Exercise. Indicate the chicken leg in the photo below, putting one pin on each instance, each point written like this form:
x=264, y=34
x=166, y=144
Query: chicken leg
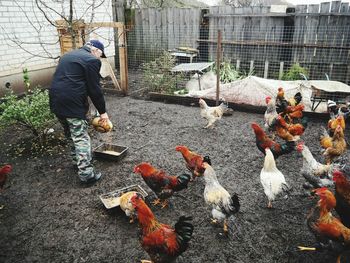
x=163, y=203
x=269, y=205
x=225, y=227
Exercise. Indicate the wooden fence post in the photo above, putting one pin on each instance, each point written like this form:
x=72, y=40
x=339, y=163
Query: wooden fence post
x=266, y=69
x=280, y=75
x=251, y=68
x=123, y=59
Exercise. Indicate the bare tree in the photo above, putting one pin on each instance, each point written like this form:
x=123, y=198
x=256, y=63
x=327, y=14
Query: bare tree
x=51, y=9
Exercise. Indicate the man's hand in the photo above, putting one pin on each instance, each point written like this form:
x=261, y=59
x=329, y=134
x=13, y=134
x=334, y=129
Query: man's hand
x=104, y=116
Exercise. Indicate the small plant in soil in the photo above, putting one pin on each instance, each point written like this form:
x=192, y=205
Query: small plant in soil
x=157, y=74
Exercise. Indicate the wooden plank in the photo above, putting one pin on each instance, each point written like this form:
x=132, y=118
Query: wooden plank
x=263, y=35
x=138, y=29
x=322, y=30
x=164, y=29
x=177, y=26
x=105, y=24
x=299, y=32
x=152, y=29
x=333, y=29
x=196, y=15
x=342, y=33
x=158, y=45
x=145, y=29
x=123, y=60
x=170, y=23
x=213, y=27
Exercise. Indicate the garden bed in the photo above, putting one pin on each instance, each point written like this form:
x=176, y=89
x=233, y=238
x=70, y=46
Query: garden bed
x=48, y=216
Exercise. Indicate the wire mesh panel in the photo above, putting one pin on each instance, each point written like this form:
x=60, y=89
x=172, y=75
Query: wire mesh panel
x=313, y=40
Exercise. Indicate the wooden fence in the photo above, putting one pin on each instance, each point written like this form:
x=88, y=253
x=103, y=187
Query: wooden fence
x=315, y=36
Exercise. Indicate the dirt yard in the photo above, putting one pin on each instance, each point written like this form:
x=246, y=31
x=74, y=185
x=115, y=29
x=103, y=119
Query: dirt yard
x=48, y=216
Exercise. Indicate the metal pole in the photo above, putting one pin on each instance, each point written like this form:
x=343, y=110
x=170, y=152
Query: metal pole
x=218, y=54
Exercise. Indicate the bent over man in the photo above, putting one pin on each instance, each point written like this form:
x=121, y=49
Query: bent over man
x=77, y=77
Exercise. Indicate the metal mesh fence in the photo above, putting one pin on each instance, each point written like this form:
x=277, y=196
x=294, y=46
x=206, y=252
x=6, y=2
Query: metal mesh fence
x=274, y=52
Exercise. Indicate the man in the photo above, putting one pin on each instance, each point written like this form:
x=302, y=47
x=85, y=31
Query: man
x=76, y=78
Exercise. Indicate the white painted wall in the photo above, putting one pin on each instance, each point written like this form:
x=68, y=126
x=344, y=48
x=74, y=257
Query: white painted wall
x=20, y=20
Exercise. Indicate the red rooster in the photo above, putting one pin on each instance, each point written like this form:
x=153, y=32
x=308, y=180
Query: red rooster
x=342, y=194
x=329, y=230
x=194, y=161
x=263, y=142
x=162, y=184
x=4, y=171
x=162, y=242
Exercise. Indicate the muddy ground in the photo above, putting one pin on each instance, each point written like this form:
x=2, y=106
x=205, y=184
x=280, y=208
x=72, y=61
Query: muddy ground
x=48, y=216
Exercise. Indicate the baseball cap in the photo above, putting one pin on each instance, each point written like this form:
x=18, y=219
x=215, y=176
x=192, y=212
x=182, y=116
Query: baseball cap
x=331, y=103
x=98, y=44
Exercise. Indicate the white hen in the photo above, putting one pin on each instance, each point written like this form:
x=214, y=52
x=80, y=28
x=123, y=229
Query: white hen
x=126, y=205
x=212, y=114
x=317, y=174
x=271, y=178
x=223, y=204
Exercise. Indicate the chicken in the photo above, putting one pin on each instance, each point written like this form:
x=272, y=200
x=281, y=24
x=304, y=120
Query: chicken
x=270, y=114
x=337, y=146
x=271, y=178
x=281, y=102
x=263, y=141
x=286, y=108
x=211, y=114
x=288, y=132
x=194, y=161
x=325, y=139
x=223, y=204
x=316, y=174
x=333, y=123
x=329, y=230
x=342, y=195
x=4, y=171
x=126, y=205
x=162, y=242
x=295, y=100
x=294, y=112
x=162, y=184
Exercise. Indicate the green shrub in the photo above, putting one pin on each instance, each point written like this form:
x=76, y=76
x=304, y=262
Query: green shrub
x=157, y=74
x=294, y=73
x=31, y=112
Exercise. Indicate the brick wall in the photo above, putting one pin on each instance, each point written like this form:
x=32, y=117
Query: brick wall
x=22, y=23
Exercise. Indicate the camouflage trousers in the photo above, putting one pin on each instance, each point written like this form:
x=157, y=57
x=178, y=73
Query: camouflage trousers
x=76, y=131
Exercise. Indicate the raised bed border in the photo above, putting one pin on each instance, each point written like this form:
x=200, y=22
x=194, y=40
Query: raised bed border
x=191, y=101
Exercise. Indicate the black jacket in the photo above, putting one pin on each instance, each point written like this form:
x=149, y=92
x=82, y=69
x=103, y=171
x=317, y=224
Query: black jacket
x=77, y=77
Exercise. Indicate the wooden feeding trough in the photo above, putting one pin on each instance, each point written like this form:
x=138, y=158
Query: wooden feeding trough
x=111, y=152
x=112, y=199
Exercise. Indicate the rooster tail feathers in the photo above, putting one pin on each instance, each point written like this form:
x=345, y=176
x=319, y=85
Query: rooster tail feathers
x=207, y=159
x=184, y=230
x=235, y=202
x=182, y=181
